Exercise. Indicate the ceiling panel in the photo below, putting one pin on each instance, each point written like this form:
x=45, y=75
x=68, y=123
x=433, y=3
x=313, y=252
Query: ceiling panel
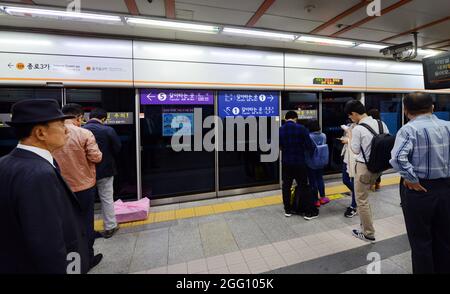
x=246, y=5
x=323, y=10
x=286, y=24
x=438, y=8
x=216, y=15
x=156, y=8
x=399, y=21
x=100, y=5
x=365, y=34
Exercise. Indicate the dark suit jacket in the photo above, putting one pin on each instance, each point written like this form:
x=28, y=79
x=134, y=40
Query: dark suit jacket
x=41, y=217
x=109, y=143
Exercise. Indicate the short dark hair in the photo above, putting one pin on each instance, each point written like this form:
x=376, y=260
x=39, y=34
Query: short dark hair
x=418, y=103
x=374, y=113
x=98, y=113
x=354, y=106
x=313, y=125
x=73, y=109
x=291, y=115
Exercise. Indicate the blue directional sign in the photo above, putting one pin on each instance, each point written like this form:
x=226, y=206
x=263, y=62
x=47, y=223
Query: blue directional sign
x=243, y=103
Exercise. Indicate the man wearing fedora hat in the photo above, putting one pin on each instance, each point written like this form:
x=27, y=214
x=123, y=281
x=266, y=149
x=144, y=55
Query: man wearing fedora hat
x=44, y=225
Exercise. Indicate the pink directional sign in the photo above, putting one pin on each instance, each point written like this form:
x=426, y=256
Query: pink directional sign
x=171, y=97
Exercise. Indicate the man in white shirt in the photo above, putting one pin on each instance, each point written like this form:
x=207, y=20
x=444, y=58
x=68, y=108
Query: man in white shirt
x=360, y=139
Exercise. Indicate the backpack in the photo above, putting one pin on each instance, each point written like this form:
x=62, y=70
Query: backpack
x=380, y=152
x=320, y=157
x=303, y=199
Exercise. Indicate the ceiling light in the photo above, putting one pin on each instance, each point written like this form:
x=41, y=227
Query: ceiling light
x=326, y=41
x=427, y=52
x=371, y=46
x=59, y=14
x=173, y=25
x=259, y=34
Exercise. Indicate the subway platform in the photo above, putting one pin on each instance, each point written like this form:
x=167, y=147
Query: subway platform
x=249, y=234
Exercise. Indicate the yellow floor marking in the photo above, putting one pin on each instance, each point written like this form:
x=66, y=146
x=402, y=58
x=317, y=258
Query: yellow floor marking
x=184, y=213
x=333, y=193
x=239, y=205
x=203, y=210
x=223, y=207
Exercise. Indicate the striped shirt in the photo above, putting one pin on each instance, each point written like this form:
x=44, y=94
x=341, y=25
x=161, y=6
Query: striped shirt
x=422, y=149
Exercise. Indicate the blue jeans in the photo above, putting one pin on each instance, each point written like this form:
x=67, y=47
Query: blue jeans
x=349, y=183
x=315, y=177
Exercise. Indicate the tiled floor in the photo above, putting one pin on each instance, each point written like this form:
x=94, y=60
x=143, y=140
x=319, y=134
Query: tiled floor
x=254, y=240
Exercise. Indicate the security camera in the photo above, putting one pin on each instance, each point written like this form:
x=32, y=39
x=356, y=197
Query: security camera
x=402, y=52
x=397, y=49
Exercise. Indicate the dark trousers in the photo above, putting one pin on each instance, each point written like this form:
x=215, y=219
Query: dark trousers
x=427, y=219
x=299, y=173
x=87, y=200
x=348, y=182
x=315, y=177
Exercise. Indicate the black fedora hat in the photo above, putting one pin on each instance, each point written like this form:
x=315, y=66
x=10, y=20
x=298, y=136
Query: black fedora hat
x=36, y=111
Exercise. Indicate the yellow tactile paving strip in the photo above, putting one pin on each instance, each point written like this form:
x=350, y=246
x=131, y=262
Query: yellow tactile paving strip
x=333, y=192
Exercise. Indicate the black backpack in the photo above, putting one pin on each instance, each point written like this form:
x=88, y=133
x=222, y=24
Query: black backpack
x=380, y=152
x=303, y=200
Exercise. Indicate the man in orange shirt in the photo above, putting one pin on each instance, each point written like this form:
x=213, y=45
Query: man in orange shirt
x=76, y=160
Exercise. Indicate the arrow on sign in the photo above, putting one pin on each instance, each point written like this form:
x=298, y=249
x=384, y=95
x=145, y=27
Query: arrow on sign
x=10, y=65
x=271, y=98
x=149, y=97
x=227, y=110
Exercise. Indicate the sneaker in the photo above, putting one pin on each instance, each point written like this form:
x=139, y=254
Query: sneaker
x=324, y=200
x=317, y=204
x=287, y=214
x=311, y=215
x=96, y=260
x=350, y=212
x=109, y=233
x=360, y=235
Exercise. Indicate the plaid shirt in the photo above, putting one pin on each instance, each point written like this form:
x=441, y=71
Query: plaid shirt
x=422, y=149
x=294, y=142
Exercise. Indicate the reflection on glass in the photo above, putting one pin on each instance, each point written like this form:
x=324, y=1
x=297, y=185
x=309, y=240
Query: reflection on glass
x=333, y=117
x=120, y=105
x=165, y=172
x=442, y=106
x=9, y=96
x=305, y=104
x=389, y=106
x=243, y=169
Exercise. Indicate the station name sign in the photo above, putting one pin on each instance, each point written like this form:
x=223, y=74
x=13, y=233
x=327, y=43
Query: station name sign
x=328, y=81
x=436, y=71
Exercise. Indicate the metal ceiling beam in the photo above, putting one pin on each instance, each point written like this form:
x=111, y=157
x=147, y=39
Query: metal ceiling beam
x=340, y=16
x=441, y=47
x=418, y=28
x=28, y=2
x=132, y=7
x=369, y=18
x=261, y=10
x=170, y=8
x=435, y=43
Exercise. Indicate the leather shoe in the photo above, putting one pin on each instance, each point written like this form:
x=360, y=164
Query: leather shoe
x=96, y=260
